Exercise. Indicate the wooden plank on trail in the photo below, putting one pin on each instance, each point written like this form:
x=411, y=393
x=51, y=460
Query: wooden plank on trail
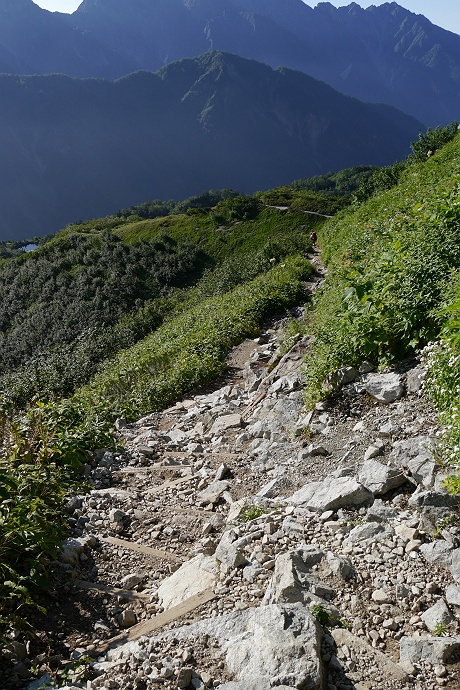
x=217, y=453
x=148, y=470
x=112, y=591
x=140, y=548
x=148, y=627
x=171, y=484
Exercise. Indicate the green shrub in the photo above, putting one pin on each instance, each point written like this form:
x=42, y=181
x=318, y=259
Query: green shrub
x=432, y=140
x=36, y=476
x=190, y=350
x=389, y=263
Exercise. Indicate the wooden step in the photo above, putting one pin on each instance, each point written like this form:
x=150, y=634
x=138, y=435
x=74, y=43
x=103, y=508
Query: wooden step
x=140, y=548
x=111, y=591
x=162, y=619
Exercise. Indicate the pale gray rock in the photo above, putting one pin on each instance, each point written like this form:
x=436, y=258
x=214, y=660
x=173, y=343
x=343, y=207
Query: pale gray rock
x=331, y=494
x=372, y=451
x=341, y=566
x=433, y=650
x=193, y=577
x=117, y=516
x=361, y=649
x=422, y=499
x=279, y=645
x=453, y=595
x=229, y=421
x=274, y=487
x=389, y=430
x=287, y=585
x=454, y=566
x=213, y=492
x=130, y=581
x=228, y=552
x=71, y=550
x=386, y=388
x=369, y=532
x=414, y=379
x=341, y=377
x=292, y=581
x=439, y=613
x=380, y=478
x=379, y=512
x=438, y=552
x=176, y=436
x=292, y=526
x=221, y=472
x=416, y=454
x=126, y=619
x=257, y=430
x=315, y=449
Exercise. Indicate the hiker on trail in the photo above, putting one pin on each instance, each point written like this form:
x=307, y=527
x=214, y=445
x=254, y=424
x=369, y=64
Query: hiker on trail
x=313, y=237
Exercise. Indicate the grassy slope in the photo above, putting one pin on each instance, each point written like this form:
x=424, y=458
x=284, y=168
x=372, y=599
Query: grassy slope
x=389, y=262
x=392, y=262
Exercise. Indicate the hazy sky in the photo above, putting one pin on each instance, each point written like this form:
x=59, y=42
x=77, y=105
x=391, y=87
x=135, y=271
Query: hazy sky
x=445, y=13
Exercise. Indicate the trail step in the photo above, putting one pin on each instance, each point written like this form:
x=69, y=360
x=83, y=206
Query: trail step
x=171, y=484
x=140, y=548
x=147, y=470
x=147, y=627
x=112, y=591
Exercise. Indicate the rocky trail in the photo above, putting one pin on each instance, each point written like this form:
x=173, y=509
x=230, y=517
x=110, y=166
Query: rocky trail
x=239, y=541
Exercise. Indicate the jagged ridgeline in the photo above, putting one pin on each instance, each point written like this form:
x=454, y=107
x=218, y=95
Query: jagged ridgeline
x=99, y=287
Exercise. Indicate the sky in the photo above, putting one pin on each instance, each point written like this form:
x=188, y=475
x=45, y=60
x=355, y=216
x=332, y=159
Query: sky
x=445, y=13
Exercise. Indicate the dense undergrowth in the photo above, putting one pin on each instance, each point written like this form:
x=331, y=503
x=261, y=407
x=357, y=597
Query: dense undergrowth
x=394, y=282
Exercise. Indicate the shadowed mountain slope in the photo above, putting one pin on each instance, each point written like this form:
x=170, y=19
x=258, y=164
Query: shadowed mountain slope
x=76, y=148
x=381, y=54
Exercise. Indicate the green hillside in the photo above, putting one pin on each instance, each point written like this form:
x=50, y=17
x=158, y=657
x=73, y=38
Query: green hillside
x=394, y=285
x=123, y=315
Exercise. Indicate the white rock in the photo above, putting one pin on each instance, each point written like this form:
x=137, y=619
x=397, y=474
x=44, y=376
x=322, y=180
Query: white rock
x=193, y=577
x=130, y=581
x=229, y=421
x=331, y=494
x=429, y=649
x=385, y=388
x=380, y=478
x=439, y=613
x=269, y=646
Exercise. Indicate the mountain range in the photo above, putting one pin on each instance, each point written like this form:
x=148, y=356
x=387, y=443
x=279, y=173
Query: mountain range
x=79, y=148
x=382, y=54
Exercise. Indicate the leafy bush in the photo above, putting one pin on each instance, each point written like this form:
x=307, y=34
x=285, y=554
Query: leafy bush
x=190, y=349
x=76, y=282
x=380, y=180
x=432, y=140
x=390, y=260
x=36, y=476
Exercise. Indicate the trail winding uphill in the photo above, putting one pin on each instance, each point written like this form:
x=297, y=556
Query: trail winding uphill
x=221, y=524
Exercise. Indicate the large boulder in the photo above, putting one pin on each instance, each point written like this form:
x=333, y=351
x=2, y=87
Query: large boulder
x=228, y=421
x=331, y=494
x=193, y=577
x=434, y=650
x=270, y=646
x=290, y=581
